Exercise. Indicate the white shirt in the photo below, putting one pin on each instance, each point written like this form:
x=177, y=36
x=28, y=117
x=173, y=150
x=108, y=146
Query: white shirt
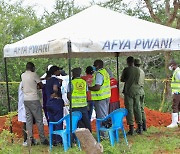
x=64, y=87
x=21, y=108
x=177, y=77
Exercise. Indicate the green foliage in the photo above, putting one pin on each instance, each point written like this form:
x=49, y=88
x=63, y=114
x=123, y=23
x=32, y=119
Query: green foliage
x=10, y=115
x=155, y=140
x=7, y=138
x=152, y=94
x=6, y=146
x=62, y=10
x=18, y=22
x=169, y=143
x=55, y=150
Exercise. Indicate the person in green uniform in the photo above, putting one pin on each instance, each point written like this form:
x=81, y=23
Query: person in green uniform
x=137, y=63
x=130, y=76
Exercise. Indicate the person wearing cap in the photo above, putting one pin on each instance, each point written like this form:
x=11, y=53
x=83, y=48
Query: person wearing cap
x=130, y=77
x=137, y=63
x=175, y=86
x=55, y=102
x=46, y=75
x=100, y=90
x=30, y=83
x=78, y=91
x=88, y=78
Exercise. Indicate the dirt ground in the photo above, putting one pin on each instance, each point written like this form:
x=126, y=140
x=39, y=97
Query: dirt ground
x=154, y=118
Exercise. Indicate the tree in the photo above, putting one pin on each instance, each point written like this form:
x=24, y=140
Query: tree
x=165, y=12
x=62, y=10
x=169, y=16
x=16, y=23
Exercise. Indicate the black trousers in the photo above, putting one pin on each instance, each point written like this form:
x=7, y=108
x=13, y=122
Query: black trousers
x=84, y=122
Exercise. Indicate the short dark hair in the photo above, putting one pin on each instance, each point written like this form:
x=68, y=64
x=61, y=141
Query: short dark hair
x=30, y=66
x=76, y=71
x=99, y=62
x=130, y=60
x=53, y=69
x=89, y=70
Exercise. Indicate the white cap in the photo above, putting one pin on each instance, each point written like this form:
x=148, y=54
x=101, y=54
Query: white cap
x=48, y=68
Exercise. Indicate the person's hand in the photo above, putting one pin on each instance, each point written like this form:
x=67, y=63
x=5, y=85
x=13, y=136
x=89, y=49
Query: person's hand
x=54, y=95
x=38, y=86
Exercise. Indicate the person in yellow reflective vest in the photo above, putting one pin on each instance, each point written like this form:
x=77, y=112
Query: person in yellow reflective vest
x=79, y=97
x=175, y=86
x=100, y=90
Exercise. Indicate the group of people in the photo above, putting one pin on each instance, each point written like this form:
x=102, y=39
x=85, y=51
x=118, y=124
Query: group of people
x=98, y=90
x=87, y=92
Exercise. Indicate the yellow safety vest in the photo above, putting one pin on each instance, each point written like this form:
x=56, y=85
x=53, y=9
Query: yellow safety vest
x=79, y=98
x=105, y=90
x=175, y=84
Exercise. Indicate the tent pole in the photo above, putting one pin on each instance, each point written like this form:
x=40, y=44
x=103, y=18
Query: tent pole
x=7, y=89
x=117, y=69
x=69, y=62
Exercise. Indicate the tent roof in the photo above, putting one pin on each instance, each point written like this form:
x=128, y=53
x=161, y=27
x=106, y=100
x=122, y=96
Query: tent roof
x=100, y=31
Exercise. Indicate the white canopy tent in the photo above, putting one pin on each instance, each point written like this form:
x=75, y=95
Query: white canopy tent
x=95, y=32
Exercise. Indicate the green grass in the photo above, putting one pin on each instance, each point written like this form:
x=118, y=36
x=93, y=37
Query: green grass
x=154, y=141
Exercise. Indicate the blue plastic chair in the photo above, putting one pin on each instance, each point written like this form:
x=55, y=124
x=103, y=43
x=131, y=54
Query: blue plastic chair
x=117, y=123
x=65, y=133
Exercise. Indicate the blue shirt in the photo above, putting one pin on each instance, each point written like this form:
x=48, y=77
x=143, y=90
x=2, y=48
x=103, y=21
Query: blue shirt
x=49, y=87
x=99, y=79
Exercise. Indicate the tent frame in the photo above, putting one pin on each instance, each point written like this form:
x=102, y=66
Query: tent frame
x=8, y=98
x=70, y=101
x=70, y=66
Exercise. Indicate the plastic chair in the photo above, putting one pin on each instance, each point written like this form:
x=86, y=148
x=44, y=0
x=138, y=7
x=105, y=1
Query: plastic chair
x=65, y=133
x=117, y=123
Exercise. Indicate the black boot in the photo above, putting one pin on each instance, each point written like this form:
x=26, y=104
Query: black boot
x=131, y=130
x=144, y=126
x=139, y=130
